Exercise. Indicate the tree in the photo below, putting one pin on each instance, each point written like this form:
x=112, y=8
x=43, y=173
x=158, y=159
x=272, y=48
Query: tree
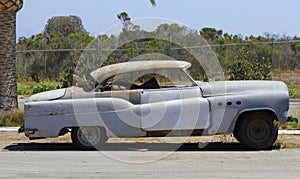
x=64, y=25
x=8, y=82
x=126, y=21
x=153, y=2
x=211, y=33
x=63, y=32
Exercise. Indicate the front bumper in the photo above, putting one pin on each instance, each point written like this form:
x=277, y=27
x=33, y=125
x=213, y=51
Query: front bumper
x=21, y=129
x=27, y=132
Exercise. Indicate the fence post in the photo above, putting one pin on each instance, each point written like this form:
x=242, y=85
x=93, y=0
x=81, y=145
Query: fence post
x=45, y=64
x=98, y=49
x=273, y=53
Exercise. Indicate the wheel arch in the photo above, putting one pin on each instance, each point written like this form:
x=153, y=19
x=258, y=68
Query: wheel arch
x=65, y=130
x=251, y=111
x=99, y=126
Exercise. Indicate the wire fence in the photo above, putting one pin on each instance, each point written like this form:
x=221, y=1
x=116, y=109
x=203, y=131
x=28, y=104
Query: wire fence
x=51, y=63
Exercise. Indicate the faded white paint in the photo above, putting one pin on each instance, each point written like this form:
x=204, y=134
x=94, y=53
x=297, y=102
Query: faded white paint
x=214, y=107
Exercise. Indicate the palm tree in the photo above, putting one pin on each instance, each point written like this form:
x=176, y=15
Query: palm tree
x=153, y=2
x=8, y=79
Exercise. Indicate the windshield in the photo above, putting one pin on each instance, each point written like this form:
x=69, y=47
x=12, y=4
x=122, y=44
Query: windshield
x=150, y=79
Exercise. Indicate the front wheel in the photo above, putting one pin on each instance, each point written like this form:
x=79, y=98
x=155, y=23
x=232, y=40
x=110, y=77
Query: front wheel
x=88, y=137
x=257, y=130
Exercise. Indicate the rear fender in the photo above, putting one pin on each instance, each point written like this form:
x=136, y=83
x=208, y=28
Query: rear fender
x=114, y=114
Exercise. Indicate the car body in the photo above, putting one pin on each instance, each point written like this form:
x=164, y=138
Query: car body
x=157, y=98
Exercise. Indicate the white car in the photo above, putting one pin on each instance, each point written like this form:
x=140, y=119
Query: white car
x=157, y=98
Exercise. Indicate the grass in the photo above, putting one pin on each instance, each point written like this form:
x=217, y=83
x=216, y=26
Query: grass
x=14, y=118
x=296, y=93
x=289, y=125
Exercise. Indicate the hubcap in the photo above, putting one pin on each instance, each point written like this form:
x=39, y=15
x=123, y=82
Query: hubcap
x=89, y=136
x=258, y=130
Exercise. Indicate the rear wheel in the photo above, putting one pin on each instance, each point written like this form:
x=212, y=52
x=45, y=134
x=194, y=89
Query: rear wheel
x=88, y=137
x=257, y=130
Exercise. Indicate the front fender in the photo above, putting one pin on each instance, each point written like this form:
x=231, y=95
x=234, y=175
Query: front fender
x=224, y=117
x=242, y=112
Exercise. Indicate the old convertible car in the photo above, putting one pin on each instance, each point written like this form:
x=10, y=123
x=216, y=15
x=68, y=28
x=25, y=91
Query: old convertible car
x=157, y=98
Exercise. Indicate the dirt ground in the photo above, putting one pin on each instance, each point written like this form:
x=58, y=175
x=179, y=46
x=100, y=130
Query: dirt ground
x=8, y=139
x=290, y=77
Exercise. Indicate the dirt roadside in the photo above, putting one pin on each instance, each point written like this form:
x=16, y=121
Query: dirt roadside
x=13, y=138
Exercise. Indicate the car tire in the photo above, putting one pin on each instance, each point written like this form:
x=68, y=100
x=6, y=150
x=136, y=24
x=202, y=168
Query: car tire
x=88, y=137
x=257, y=130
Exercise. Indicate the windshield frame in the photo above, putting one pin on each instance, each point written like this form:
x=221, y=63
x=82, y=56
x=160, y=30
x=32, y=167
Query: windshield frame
x=183, y=73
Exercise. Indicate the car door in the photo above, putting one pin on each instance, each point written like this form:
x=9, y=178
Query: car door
x=174, y=109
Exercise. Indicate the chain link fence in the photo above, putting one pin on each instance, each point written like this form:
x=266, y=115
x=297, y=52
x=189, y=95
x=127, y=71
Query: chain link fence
x=50, y=64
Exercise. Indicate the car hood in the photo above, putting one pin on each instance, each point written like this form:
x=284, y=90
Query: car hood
x=240, y=87
x=64, y=93
x=48, y=95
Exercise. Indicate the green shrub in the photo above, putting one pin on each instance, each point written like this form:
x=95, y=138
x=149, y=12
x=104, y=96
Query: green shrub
x=23, y=90
x=12, y=118
x=292, y=90
x=250, y=70
x=46, y=86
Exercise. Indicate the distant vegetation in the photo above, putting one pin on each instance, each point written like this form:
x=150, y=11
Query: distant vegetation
x=48, y=59
x=250, y=58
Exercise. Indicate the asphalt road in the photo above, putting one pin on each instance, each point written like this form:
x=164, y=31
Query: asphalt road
x=139, y=164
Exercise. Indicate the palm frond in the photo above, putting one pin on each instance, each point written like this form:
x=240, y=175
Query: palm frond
x=153, y=2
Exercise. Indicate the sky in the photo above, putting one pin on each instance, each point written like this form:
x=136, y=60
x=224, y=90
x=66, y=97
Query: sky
x=254, y=17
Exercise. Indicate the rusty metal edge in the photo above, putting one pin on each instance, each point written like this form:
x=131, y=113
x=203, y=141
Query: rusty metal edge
x=288, y=132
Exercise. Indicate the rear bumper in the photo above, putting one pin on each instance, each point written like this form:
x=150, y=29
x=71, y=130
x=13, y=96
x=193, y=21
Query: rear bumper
x=292, y=119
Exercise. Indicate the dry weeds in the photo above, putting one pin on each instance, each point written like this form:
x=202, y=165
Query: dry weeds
x=290, y=77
